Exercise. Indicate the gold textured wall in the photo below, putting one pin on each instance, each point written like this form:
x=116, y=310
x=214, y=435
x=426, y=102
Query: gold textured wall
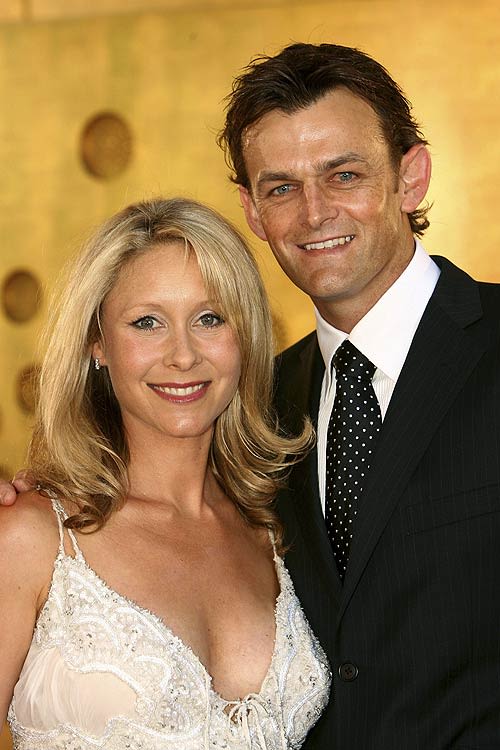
x=164, y=71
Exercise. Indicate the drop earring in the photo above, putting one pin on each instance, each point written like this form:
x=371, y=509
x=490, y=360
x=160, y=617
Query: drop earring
x=97, y=364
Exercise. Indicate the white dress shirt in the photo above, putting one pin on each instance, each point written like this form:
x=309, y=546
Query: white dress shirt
x=384, y=335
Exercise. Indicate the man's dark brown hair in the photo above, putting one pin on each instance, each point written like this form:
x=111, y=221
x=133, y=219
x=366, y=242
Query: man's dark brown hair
x=298, y=77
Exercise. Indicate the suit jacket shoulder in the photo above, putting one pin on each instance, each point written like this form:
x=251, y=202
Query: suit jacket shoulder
x=461, y=295
x=298, y=376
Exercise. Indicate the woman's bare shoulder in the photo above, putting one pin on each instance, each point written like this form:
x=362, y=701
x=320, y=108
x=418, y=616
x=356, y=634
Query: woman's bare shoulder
x=30, y=505
x=29, y=542
x=29, y=527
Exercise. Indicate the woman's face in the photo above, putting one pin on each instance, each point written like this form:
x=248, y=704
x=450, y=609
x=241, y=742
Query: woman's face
x=174, y=363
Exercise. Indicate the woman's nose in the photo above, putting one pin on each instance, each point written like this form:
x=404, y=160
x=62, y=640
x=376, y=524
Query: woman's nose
x=182, y=352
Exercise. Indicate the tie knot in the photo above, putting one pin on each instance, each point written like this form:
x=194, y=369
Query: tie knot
x=350, y=363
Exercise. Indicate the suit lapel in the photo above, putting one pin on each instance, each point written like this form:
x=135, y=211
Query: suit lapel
x=440, y=360
x=304, y=477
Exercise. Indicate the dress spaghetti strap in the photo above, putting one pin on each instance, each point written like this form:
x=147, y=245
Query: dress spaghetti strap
x=61, y=516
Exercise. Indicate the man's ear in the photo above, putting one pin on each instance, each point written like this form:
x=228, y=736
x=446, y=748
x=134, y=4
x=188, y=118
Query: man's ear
x=415, y=175
x=251, y=213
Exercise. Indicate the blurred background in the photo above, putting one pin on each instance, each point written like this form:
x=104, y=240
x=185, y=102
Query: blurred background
x=109, y=101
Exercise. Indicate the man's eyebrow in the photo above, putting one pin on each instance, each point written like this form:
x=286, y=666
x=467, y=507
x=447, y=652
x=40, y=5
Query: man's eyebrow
x=347, y=158
x=273, y=177
x=320, y=168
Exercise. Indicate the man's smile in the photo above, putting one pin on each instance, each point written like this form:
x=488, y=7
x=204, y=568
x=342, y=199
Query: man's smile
x=326, y=244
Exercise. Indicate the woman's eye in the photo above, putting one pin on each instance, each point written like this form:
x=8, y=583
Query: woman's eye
x=210, y=320
x=146, y=323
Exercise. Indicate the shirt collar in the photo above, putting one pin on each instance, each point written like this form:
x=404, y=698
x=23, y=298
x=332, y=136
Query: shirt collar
x=385, y=333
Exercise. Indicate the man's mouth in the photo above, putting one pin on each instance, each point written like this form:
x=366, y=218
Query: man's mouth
x=327, y=244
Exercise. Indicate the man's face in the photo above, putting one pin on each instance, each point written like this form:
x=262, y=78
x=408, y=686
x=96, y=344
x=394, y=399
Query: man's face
x=327, y=197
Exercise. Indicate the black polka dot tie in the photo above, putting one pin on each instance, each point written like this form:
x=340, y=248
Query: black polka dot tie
x=352, y=434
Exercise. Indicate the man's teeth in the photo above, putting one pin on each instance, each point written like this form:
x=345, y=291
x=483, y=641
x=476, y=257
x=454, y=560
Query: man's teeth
x=329, y=243
x=186, y=391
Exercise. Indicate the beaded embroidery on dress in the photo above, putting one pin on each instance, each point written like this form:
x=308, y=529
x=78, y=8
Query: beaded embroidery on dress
x=102, y=672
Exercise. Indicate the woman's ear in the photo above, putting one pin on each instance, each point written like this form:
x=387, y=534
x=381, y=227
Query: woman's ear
x=415, y=175
x=98, y=353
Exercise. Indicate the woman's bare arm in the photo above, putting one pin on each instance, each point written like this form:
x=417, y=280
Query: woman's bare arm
x=28, y=547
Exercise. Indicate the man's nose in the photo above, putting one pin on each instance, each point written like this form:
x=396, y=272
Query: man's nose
x=318, y=205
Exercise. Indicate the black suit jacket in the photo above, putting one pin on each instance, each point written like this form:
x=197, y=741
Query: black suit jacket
x=413, y=636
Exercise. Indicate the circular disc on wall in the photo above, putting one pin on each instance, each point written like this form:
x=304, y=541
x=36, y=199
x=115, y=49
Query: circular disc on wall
x=21, y=296
x=27, y=388
x=106, y=145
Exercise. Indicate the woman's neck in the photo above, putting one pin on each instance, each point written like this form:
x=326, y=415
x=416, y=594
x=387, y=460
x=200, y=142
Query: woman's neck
x=174, y=472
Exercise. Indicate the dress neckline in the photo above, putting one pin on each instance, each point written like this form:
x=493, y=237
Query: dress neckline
x=166, y=630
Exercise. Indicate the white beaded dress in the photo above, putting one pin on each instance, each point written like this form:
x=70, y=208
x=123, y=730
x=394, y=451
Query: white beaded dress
x=103, y=672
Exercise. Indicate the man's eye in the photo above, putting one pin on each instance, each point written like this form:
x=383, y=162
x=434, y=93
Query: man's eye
x=345, y=176
x=210, y=320
x=281, y=190
x=146, y=323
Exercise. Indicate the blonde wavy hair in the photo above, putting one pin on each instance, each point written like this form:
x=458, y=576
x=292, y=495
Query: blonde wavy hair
x=79, y=449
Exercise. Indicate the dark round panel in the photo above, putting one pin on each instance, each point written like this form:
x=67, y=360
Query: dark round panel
x=21, y=296
x=27, y=388
x=106, y=145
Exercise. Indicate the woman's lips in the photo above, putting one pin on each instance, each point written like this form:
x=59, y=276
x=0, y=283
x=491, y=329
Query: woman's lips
x=180, y=392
